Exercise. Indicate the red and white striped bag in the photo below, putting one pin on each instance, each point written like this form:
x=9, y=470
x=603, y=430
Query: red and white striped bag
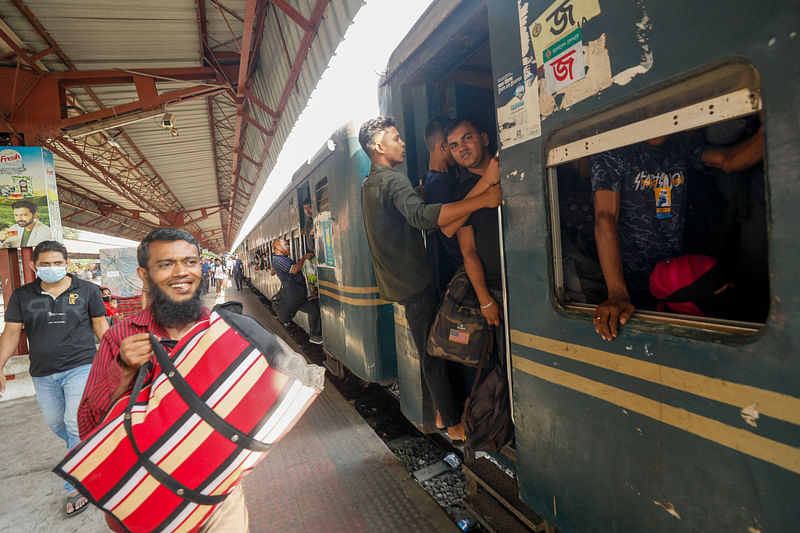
x=171, y=450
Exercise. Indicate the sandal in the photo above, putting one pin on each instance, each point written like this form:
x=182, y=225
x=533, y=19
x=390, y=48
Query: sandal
x=74, y=501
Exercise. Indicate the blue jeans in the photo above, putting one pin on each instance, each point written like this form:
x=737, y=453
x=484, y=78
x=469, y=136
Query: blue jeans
x=59, y=395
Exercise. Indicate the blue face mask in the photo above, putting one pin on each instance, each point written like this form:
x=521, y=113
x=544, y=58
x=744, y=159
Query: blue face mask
x=51, y=274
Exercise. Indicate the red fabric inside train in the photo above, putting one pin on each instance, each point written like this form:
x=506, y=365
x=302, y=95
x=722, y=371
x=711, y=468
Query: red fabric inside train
x=194, y=425
x=671, y=282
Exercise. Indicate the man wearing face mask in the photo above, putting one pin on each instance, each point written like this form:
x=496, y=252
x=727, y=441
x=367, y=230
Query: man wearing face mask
x=61, y=315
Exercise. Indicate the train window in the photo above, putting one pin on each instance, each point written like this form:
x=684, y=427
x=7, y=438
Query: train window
x=670, y=208
x=321, y=189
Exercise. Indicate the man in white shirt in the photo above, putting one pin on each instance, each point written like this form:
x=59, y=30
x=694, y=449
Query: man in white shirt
x=219, y=276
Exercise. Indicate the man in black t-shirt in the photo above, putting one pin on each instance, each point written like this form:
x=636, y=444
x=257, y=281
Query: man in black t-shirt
x=61, y=315
x=479, y=234
x=640, y=210
x=440, y=183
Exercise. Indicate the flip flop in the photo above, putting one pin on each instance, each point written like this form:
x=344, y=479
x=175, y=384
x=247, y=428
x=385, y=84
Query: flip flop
x=73, y=501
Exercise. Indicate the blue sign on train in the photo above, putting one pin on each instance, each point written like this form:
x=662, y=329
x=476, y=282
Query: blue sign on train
x=327, y=235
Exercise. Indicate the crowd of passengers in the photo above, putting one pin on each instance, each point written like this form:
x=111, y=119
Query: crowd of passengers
x=461, y=192
x=676, y=223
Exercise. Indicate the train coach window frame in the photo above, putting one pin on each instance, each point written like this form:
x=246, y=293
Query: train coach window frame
x=321, y=195
x=716, y=94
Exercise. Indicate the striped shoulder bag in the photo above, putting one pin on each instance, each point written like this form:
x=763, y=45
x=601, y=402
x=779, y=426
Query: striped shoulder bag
x=193, y=425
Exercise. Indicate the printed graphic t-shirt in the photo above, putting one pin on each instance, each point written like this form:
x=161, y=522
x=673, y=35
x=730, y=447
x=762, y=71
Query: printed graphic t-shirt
x=651, y=181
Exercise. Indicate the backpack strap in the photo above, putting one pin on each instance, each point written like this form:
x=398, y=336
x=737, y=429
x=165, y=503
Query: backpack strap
x=484, y=355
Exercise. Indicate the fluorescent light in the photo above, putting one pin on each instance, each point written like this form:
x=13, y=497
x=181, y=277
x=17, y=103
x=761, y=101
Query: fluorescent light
x=112, y=122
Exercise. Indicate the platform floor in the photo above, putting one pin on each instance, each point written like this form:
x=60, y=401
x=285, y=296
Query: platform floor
x=331, y=473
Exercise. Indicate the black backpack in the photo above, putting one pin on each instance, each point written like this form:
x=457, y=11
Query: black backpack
x=487, y=412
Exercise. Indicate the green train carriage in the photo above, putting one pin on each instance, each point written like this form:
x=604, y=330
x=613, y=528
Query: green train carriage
x=681, y=423
x=357, y=326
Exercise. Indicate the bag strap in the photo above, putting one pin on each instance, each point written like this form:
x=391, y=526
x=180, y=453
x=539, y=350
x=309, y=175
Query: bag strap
x=153, y=469
x=201, y=408
x=484, y=355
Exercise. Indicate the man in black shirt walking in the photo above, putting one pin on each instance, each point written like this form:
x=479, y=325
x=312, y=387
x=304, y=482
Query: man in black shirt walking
x=61, y=315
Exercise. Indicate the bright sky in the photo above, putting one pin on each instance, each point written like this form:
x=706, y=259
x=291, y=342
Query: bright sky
x=347, y=91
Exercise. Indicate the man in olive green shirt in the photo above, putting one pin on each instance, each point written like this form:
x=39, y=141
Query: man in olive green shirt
x=394, y=214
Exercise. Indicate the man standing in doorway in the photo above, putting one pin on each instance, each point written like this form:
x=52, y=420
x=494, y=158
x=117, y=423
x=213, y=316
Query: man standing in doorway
x=61, y=315
x=393, y=215
x=169, y=267
x=308, y=226
x=26, y=230
x=479, y=236
x=440, y=182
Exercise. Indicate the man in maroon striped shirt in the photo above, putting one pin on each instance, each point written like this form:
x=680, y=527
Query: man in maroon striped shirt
x=170, y=269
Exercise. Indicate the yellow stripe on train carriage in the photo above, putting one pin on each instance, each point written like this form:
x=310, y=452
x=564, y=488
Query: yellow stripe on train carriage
x=348, y=288
x=742, y=440
x=770, y=403
x=363, y=302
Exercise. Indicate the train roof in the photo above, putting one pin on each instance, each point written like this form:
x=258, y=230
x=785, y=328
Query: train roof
x=327, y=148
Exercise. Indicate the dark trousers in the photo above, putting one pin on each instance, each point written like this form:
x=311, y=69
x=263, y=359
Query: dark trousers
x=237, y=277
x=420, y=311
x=311, y=308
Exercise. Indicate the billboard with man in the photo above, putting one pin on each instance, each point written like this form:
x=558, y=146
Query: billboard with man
x=29, y=211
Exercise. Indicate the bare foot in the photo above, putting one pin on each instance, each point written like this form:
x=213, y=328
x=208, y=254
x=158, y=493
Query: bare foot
x=439, y=421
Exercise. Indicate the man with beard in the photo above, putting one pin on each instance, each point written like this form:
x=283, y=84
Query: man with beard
x=169, y=267
x=26, y=230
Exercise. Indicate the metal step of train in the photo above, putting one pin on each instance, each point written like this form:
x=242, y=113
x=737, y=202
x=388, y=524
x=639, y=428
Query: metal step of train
x=505, y=508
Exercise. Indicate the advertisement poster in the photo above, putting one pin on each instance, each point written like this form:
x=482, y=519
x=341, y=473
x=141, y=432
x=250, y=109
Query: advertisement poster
x=29, y=211
x=518, y=116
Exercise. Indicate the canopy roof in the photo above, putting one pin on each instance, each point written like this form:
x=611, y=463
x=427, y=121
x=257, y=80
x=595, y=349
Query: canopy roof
x=92, y=81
